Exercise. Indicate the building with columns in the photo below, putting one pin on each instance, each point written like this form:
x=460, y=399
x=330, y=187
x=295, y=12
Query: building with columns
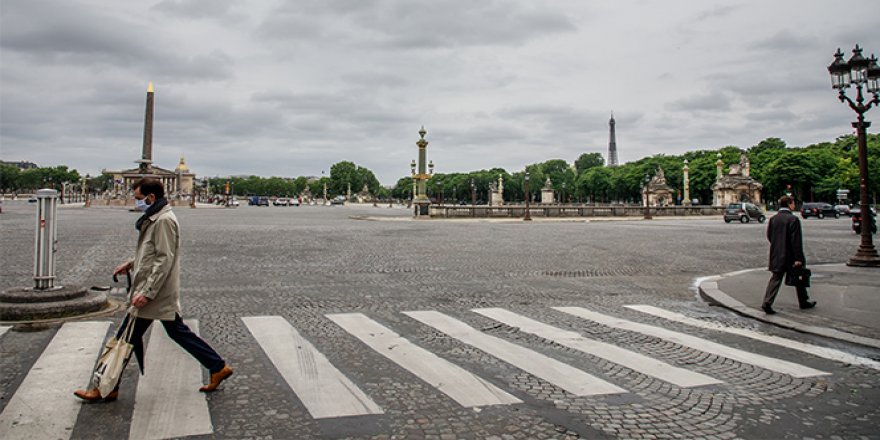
x=178, y=183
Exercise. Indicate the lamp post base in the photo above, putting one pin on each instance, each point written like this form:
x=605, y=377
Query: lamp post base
x=866, y=256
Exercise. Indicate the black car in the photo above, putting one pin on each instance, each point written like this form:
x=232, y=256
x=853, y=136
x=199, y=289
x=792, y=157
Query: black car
x=818, y=210
x=856, y=214
x=744, y=212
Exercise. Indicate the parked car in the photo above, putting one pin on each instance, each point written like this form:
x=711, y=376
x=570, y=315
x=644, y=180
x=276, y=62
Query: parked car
x=856, y=214
x=744, y=212
x=842, y=209
x=32, y=199
x=294, y=201
x=818, y=210
x=258, y=201
x=338, y=200
x=281, y=201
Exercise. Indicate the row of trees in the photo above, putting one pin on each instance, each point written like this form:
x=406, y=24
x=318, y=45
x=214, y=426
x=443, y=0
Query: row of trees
x=810, y=173
x=343, y=175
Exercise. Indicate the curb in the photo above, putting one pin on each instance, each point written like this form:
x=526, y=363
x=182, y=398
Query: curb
x=709, y=291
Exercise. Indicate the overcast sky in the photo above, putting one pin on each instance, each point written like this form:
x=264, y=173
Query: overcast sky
x=287, y=88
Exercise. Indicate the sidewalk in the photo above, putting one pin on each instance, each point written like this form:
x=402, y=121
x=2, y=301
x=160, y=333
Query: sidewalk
x=848, y=299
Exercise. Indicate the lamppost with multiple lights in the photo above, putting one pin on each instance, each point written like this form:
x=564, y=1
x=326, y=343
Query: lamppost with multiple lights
x=420, y=179
x=864, y=73
x=528, y=195
x=473, y=198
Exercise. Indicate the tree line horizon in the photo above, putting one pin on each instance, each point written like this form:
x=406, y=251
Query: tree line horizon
x=811, y=173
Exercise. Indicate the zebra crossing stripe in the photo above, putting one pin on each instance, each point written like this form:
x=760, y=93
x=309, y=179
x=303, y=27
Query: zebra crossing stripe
x=704, y=345
x=823, y=352
x=570, y=379
x=3, y=329
x=466, y=388
x=44, y=405
x=630, y=359
x=167, y=403
x=320, y=386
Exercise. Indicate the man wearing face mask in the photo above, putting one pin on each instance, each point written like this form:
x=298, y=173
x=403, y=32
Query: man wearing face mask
x=155, y=288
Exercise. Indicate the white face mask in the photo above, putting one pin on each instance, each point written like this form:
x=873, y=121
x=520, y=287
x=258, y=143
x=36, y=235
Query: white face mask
x=141, y=204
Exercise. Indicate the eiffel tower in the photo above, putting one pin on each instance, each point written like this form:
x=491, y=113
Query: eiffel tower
x=612, y=144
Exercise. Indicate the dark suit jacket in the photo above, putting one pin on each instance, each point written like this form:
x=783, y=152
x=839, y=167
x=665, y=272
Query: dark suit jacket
x=786, y=243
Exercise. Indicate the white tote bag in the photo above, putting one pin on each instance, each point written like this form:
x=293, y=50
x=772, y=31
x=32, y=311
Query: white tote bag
x=109, y=368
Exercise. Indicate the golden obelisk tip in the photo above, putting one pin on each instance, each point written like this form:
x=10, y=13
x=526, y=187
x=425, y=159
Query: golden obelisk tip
x=150, y=87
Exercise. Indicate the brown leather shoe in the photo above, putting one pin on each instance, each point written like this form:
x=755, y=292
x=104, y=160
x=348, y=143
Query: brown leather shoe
x=93, y=395
x=216, y=378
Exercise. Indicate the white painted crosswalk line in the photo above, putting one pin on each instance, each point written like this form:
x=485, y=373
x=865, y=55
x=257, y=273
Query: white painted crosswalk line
x=44, y=405
x=823, y=352
x=630, y=359
x=570, y=379
x=459, y=384
x=696, y=343
x=320, y=386
x=168, y=402
x=3, y=329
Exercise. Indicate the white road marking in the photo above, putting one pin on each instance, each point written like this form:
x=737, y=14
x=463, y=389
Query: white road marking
x=630, y=359
x=570, y=379
x=168, y=402
x=769, y=363
x=44, y=405
x=823, y=352
x=320, y=386
x=3, y=329
x=466, y=388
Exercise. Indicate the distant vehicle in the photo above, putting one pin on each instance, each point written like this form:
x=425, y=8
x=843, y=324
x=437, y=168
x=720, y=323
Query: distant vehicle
x=818, y=210
x=744, y=212
x=32, y=199
x=842, y=209
x=294, y=201
x=281, y=201
x=338, y=200
x=258, y=201
x=233, y=202
x=856, y=214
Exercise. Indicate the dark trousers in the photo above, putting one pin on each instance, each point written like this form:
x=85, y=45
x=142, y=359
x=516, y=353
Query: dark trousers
x=773, y=290
x=180, y=334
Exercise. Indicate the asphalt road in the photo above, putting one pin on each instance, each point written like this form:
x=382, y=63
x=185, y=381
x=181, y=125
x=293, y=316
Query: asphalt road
x=309, y=265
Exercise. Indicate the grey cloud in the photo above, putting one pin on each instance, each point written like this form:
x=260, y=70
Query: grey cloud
x=64, y=34
x=711, y=101
x=196, y=9
x=429, y=25
x=784, y=41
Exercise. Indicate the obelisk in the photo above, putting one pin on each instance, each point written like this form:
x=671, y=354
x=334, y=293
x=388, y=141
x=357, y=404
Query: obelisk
x=147, y=153
x=612, y=143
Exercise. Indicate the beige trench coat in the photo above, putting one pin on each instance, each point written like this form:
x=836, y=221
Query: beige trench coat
x=156, y=270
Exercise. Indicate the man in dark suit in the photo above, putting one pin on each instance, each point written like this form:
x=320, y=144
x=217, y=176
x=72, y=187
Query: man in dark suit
x=786, y=254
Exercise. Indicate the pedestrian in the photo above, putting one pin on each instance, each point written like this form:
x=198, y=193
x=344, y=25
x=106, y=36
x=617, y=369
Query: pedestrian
x=155, y=288
x=786, y=254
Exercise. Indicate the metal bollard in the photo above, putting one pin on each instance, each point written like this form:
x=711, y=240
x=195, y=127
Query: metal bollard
x=44, y=239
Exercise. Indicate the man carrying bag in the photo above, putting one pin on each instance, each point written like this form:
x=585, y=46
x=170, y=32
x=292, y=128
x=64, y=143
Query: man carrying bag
x=155, y=291
x=786, y=257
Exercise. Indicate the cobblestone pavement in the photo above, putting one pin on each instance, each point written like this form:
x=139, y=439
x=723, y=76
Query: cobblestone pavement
x=302, y=263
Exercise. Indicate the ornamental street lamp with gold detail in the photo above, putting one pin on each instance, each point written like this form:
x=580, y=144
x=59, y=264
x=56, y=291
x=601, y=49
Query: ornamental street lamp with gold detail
x=420, y=178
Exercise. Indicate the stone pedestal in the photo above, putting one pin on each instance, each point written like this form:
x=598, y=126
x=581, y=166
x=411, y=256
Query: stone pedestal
x=26, y=304
x=547, y=196
x=497, y=199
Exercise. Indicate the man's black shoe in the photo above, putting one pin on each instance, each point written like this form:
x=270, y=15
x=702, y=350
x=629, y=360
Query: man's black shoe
x=808, y=305
x=769, y=310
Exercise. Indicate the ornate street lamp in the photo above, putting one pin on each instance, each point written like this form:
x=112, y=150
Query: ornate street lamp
x=863, y=73
x=473, y=194
x=528, y=216
x=647, y=204
x=562, y=197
